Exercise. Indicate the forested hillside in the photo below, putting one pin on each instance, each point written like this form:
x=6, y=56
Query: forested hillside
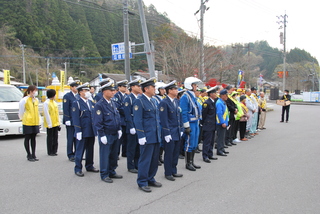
x=80, y=34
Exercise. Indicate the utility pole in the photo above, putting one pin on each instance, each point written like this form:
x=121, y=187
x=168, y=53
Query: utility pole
x=22, y=46
x=147, y=47
x=202, y=10
x=126, y=39
x=284, y=22
x=48, y=59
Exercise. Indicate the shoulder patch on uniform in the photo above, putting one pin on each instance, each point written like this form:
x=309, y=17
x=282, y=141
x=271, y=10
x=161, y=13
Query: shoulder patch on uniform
x=136, y=107
x=73, y=109
x=161, y=109
x=205, y=105
x=126, y=104
x=98, y=112
x=64, y=100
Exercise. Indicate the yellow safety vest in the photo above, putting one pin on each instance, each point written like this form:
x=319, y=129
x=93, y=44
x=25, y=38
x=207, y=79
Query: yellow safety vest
x=31, y=114
x=54, y=114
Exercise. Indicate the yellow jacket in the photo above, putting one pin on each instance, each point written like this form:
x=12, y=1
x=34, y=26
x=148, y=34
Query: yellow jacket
x=51, y=114
x=29, y=111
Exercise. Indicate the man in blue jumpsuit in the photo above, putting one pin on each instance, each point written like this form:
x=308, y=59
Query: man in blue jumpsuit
x=82, y=117
x=99, y=94
x=191, y=115
x=222, y=117
x=209, y=125
x=68, y=99
x=133, y=152
x=146, y=121
x=171, y=129
x=107, y=123
x=119, y=98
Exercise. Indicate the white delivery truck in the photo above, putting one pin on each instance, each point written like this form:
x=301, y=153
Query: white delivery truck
x=10, y=124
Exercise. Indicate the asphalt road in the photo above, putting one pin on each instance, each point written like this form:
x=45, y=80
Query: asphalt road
x=276, y=172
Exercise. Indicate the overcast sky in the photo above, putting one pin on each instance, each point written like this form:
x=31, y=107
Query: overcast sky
x=242, y=21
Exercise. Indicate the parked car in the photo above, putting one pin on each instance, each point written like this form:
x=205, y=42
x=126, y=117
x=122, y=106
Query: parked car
x=10, y=123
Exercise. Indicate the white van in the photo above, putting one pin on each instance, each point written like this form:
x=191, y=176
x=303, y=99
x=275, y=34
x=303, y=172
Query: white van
x=10, y=124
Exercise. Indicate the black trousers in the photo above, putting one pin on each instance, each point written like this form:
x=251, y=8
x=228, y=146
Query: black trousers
x=229, y=134
x=52, y=140
x=285, y=109
x=208, y=140
x=221, y=132
x=234, y=129
x=242, y=128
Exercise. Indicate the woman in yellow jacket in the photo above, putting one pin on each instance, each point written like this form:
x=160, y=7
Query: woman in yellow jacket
x=29, y=114
x=51, y=122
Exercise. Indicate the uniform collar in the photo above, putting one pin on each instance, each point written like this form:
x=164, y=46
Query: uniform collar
x=147, y=97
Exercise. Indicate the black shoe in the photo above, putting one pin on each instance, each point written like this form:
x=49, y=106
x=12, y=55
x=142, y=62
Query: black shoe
x=287, y=121
x=281, y=121
x=80, y=174
x=225, y=152
x=52, y=154
x=190, y=167
x=159, y=163
x=197, y=151
x=229, y=144
x=234, y=144
x=225, y=147
x=170, y=178
x=107, y=180
x=206, y=160
x=145, y=189
x=221, y=154
x=31, y=159
x=55, y=154
x=133, y=170
x=116, y=176
x=181, y=157
x=72, y=159
x=177, y=175
x=93, y=170
x=155, y=184
x=213, y=158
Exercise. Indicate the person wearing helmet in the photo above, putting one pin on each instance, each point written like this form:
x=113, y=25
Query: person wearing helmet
x=191, y=115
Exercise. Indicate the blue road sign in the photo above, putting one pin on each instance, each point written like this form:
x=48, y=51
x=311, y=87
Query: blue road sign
x=118, y=52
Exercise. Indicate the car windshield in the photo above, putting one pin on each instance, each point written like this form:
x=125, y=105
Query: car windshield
x=10, y=94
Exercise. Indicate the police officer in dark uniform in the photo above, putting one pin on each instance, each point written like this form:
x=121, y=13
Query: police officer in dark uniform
x=82, y=117
x=133, y=152
x=99, y=94
x=171, y=128
x=119, y=98
x=68, y=99
x=209, y=125
x=146, y=121
x=107, y=123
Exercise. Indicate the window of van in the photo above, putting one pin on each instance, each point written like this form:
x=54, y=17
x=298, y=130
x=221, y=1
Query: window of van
x=10, y=94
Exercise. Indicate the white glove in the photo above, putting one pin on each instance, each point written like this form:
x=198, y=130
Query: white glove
x=119, y=134
x=132, y=131
x=104, y=140
x=181, y=134
x=168, y=138
x=49, y=127
x=79, y=135
x=68, y=123
x=142, y=141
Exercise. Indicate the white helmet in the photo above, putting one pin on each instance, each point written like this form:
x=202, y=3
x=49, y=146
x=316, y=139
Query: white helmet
x=192, y=80
x=159, y=85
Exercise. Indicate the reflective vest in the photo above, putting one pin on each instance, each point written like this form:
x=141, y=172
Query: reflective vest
x=31, y=114
x=54, y=114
